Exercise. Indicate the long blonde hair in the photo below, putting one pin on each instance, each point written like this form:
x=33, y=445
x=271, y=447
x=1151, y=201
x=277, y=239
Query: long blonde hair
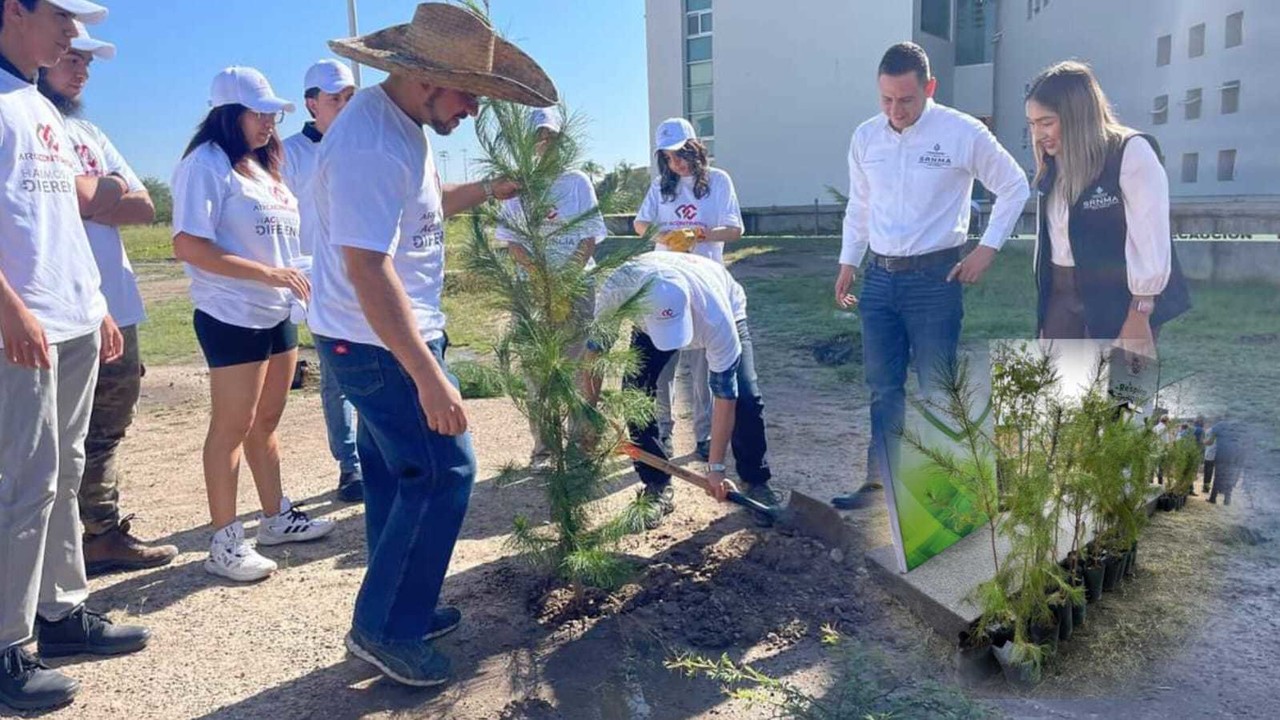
x=1087, y=126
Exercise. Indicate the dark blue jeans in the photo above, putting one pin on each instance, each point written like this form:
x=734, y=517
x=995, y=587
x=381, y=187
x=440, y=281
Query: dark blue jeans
x=750, y=446
x=910, y=318
x=417, y=484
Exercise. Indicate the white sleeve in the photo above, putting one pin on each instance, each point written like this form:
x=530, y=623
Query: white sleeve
x=856, y=235
x=1001, y=174
x=198, y=194
x=116, y=164
x=729, y=214
x=502, y=234
x=648, y=211
x=1148, y=246
x=722, y=345
x=594, y=226
x=366, y=201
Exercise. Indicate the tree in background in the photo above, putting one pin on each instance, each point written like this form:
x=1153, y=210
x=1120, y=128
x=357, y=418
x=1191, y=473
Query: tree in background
x=161, y=198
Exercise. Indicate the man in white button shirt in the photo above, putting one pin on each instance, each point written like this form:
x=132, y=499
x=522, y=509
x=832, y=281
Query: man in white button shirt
x=911, y=173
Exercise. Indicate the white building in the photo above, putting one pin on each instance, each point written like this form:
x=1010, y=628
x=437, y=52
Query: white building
x=778, y=88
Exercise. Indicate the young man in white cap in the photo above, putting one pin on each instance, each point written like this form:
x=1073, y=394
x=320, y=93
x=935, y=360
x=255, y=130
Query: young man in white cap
x=573, y=196
x=108, y=543
x=693, y=302
x=329, y=85
x=377, y=317
x=51, y=316
x=911, y=173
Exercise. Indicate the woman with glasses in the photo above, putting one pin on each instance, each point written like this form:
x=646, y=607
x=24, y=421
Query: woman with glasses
x=235, y=225
x=696, y=210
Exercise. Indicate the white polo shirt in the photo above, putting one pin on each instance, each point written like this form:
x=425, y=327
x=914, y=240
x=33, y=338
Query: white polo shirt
x=44, y=252
x=573, y=196
x=909, y=191
x=99, y=158
x=716, y=300
x=376, y=188
x=252, y=216
x=718, y=209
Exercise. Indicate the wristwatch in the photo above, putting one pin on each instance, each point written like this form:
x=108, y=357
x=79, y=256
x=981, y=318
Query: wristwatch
x=1144, y=305
x=716, y=467
x=487, y=186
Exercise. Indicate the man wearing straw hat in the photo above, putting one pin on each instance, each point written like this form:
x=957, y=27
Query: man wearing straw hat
x=377, y=277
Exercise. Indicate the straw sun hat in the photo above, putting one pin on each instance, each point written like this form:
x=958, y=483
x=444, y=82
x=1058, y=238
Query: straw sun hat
x=453, y=47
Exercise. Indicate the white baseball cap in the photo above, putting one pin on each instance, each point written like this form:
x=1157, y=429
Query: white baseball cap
x=669, y=324
x=673, y=133
x=248, y=87
x=86, y=12
x=547, y=117
x=97, y=48
x=329, y=76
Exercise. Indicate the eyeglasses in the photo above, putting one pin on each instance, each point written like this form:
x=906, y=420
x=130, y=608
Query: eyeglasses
x=275, y=117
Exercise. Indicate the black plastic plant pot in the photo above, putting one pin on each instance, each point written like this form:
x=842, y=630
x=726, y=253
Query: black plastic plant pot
x=1066, y=622
x=1164, y=503
x=1093, y=577
x=1022, y=675
x=974, y=660
x=1078, y=613
x=1131, y=561
x=1045, y=634
x=1112, y=568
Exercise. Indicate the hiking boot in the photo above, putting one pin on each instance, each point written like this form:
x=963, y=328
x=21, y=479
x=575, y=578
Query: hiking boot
x=86, y=631
x=351, y=486
x=28, y=684
x=860, y=498
x=117, y=549
x=763, y=494
x=703, y=450
x=444, y=621
x=409, y=663
x=232, y=557
x=663, y=499
x=291, y=525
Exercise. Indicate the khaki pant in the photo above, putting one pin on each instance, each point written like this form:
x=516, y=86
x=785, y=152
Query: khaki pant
x=44, y=417
x=114, y=399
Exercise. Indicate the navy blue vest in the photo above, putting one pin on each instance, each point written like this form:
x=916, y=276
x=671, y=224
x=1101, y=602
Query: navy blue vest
x=1097, y=228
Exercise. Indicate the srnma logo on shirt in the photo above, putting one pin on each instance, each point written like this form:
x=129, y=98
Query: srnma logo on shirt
x=1100, y=200
x=935, y=158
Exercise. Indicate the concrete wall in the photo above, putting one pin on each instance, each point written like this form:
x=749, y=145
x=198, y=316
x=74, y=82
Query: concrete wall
x=941, y=51
x=973, y=89
x=664, y=40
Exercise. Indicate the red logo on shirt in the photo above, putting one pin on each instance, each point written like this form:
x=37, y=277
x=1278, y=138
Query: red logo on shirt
x=48, y=137
x=687, y=211
x=553, y=214
x=667, y=314
x=89, y=161
x=279, y=194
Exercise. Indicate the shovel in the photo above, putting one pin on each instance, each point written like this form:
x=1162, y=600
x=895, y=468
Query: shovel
x=803, y=514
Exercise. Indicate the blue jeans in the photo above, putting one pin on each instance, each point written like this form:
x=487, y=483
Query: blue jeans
x=417, y=484
x=908, y=318
x=339, y=421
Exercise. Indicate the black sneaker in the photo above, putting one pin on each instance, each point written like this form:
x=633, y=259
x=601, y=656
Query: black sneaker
x=860, y=498
x=85, y=631
x=444, y=621
x=663, y=498
x=27, y=684
x=409, y=663
x=703, y=450
x=351, y=486
x=763, y=494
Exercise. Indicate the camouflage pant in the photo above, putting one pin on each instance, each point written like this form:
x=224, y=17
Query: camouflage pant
x=114, y=398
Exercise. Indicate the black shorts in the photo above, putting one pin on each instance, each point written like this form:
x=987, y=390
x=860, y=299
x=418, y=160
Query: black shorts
x=225, y=345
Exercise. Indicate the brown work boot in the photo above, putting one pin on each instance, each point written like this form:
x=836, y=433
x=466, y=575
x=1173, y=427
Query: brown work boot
x=116, y=550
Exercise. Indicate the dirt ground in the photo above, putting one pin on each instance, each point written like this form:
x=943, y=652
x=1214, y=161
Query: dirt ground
x=709, y=582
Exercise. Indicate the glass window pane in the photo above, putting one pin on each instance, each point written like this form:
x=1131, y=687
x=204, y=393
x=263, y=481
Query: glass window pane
x=1190, y=167
x=1195, y=41
x=692, y=27
x=1231, y=98
x=698, y=74
x=706, y=22
x=692, y=5
x=935, y=18
x=704, y=125
x=1164, y=47
x=698, y=49
x=1192, y=105
x=711, y=148
x=1235, y=29
x=1226, y=165
x=699, y=99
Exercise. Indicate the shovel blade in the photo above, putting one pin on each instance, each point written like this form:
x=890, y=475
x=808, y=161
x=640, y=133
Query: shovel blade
x=808, y=516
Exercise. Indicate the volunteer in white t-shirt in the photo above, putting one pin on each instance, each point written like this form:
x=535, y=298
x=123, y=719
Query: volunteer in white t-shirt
x=52, y=316
x=696, y=210
x=328, y=86
x=235, y=225
x=377, y=318
x=573, y=197
x=694, y=303
x=108, y=543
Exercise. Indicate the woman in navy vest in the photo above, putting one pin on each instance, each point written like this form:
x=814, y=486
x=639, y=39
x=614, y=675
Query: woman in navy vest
x=1105, y=265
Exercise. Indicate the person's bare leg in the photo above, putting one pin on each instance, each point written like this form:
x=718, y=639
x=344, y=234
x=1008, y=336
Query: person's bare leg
x=261, y=445
x=233, y=393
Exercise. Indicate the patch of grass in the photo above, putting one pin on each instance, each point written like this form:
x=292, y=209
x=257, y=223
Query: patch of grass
x=147, y=243
x=476, y=380
x=167, y=337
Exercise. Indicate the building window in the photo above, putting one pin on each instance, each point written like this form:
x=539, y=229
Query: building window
x=1230, y=97
x=1226, y=165
x=1190, y=167
x=1235, y=29
x=1164, y=49
x=975, y=21
x=1160, y=110
x=1191, y=105
x=698, y=89
x=1195, y=41
x=935, y=18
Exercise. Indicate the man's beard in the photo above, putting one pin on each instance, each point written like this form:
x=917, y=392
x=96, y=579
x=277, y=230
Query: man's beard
x=69, y=107
x=440, y=126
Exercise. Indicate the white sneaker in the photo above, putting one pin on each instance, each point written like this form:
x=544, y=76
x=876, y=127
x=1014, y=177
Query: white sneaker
x=232, y=557
x=291, y=525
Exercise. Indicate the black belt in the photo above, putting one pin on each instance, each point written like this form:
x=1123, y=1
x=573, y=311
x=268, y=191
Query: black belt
x=915, y=262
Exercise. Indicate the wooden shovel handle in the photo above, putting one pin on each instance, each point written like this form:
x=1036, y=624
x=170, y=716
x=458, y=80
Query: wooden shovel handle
x=634, y=452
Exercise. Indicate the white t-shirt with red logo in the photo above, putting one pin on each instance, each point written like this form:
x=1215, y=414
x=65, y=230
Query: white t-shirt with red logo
x=376, y=188
x=718, y=209
x=44, y=254
x=300, y=153
x=254, y=217
x=573, y=195
x=99, y=158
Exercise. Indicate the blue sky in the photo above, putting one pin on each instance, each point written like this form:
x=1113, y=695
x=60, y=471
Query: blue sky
x=150, y=97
